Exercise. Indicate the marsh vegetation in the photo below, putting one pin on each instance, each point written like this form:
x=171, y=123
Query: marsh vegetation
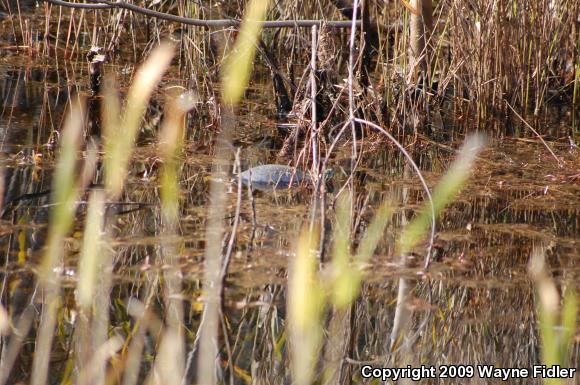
x=423, y=210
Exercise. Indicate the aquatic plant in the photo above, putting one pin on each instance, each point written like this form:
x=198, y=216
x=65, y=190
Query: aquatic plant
x=339, y=282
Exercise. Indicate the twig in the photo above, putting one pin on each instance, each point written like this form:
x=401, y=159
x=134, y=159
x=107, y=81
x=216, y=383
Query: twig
x=104, y=4
x=535, y=132
x=314, y=126
x=418, y=171
x=227, y=344
x=68, y=4
x=351, y=77
x=254, y=216
x=313, y=92
x=232, y=240
x=322, y=218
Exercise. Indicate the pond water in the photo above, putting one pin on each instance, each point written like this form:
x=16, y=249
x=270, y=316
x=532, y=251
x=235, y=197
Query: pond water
x=477, y=299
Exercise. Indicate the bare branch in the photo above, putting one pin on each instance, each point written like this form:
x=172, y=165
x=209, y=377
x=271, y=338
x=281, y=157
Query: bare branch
x=104, y=4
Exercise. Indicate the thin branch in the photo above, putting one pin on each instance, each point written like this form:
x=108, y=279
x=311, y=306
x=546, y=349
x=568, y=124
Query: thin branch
x=535, y=132
x=419, y=174
x=104, y=4
x=68, y=4
x=227, y=257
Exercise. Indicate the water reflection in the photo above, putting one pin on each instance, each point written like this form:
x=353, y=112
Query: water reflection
x=476, y=305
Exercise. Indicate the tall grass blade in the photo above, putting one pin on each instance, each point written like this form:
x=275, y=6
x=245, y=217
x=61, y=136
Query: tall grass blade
x=65, y=192
x=305, y=308
x=89, y=263
x=556, y=338
x=346, y=269
x=120, y=139
x=235, y=77
x=569, y=323
x=343, y=276
x=238, y=65
x=446, y=190
x=170, y=362
x=171, y=144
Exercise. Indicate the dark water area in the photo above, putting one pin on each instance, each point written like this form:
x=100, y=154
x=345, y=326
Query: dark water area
x=477, y=300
